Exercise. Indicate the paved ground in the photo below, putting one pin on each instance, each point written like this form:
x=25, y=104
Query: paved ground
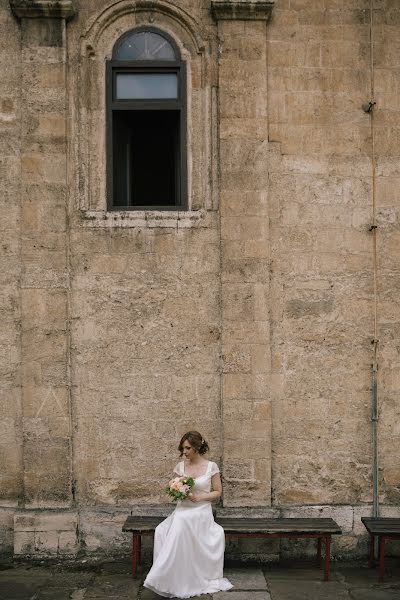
x=112, y=581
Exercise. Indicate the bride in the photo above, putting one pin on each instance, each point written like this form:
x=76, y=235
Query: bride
x=189, y=545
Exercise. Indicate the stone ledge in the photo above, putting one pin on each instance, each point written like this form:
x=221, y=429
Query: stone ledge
x=245, y=10
x=34, y=9
x=151, y=219
x=97, y=530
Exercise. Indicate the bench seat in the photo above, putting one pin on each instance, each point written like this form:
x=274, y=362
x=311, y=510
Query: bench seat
x=319, y=529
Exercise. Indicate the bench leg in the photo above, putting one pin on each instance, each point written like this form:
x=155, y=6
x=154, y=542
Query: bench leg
x=135, y=553
x=327, y=564
x=381, y=557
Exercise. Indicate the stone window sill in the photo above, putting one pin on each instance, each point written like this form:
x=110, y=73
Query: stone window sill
x=149, y=219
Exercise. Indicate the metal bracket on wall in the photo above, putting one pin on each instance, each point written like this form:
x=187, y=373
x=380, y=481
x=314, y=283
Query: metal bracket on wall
x=368, y=106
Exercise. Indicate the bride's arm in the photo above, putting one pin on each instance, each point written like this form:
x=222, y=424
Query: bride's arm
x=216, y=486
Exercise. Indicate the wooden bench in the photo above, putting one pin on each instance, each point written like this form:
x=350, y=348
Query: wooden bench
x=234, y=527
x=384, y=528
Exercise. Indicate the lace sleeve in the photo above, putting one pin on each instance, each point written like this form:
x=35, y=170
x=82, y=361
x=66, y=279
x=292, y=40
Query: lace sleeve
x=214, y=469
x=178, y=469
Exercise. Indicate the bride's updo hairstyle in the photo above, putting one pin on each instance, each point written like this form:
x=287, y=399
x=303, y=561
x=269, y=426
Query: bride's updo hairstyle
x=196, y=440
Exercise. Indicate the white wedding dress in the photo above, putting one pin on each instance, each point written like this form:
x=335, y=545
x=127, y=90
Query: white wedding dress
x=189, y=547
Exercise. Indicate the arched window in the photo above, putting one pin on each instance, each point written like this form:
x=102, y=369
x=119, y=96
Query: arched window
x=146, y=118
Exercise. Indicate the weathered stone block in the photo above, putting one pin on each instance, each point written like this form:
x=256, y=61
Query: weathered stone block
x=41, y=32
x=246, y=494
x=102, y=531
x=67, y=542
x=361, y=511
x=236, y=359
x=50, y=76
x=37, y=168
x=244, y=330
x=238, y=449
x=243, y=203
x=42, y=521
x=239, y=469
x=47, y=471
x=238, y=301
x=38, y=345
x=6, y=529
x=246, y=270
x=252, y=429
x=44, y=308
x=46, y=542
x=244, y=386
x=45, y=402
x=256, y=249
x=24, y=543
x=345, y=545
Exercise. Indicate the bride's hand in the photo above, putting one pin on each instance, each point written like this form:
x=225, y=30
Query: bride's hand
x=193, y=498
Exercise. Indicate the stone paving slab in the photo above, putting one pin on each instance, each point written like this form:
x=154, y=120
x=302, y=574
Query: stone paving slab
x=118, y=587
x=375, y=594
x=78, y=595
x=22, y=583
x=113, y=581
x=245, y=582
x=149, y=595
x=52, y=594
x=307, y=590
x=10, y=590
x=305, y=573
x=246, y=579
x=70, y=579
x=237, y=595
x=365, y=577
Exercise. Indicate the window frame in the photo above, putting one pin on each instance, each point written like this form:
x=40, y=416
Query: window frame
x=178, y=66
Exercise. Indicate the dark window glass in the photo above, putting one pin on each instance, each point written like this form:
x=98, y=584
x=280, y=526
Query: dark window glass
x=146, y=166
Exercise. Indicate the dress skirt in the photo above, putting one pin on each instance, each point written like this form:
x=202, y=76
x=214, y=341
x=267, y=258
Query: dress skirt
x=188, y=553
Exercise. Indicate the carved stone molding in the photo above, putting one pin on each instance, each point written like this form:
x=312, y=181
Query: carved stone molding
x=245, y=10
x=53, y=9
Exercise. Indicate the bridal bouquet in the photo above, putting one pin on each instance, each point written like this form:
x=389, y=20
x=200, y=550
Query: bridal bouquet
x=179, y=487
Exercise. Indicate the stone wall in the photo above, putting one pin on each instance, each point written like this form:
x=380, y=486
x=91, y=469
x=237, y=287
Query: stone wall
x=249, y=317
x=319, y=77
x=10, y=270
x=321, y=71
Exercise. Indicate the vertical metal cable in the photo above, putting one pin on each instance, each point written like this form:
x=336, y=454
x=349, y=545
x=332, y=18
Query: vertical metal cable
x=374, y=419
x=374, y=386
